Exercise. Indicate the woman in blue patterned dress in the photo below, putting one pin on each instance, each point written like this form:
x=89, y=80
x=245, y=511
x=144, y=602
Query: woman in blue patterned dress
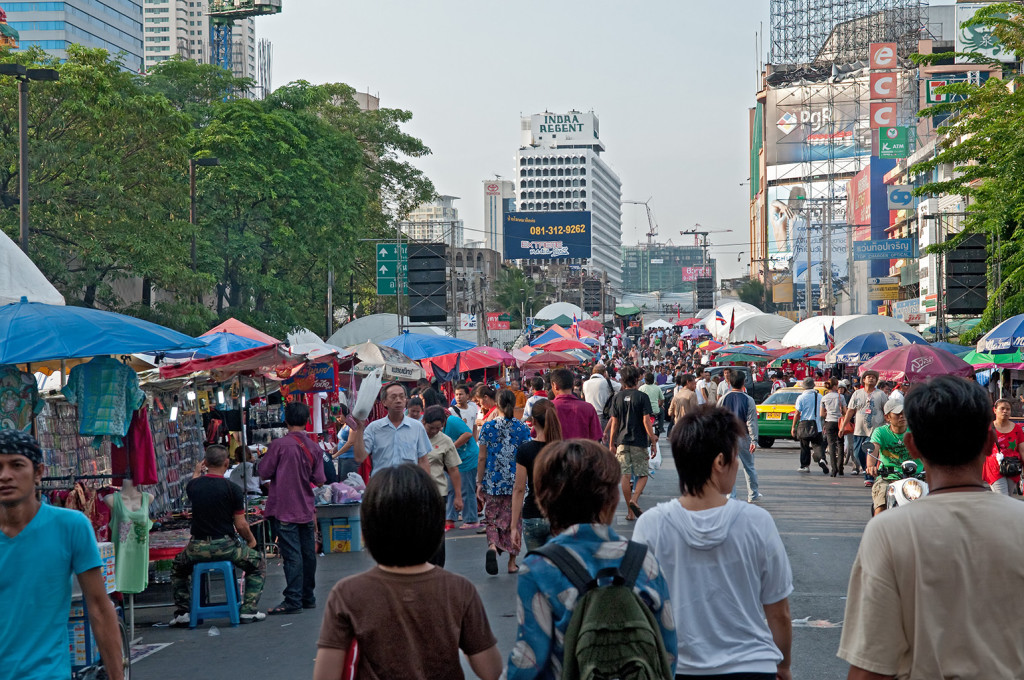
x=496, y=475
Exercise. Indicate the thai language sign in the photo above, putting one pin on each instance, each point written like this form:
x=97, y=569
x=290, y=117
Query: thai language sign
x=884, y=249
x=547, y=235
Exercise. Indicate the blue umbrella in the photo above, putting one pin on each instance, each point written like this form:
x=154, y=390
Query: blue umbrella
x=1006, y=337
x=418, y=346
x=749, y=350
x=593, y=342
x=798, y=354
x=696, y=333
x=958, y=350
x=31, y=332
x=217, y=344
x=863, y=347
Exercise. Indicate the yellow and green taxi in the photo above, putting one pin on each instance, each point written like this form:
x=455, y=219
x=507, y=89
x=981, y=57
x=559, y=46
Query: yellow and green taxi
x=775, y=415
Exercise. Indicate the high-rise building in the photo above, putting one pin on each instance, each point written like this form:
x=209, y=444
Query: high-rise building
x=243, y=43
x=499, y=198
x=176, y=27
x=559, y=168
x=432, y=222
x=661, y=268
x=114, y=25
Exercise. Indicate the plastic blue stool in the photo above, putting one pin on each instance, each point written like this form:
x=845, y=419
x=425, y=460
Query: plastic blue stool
x=228, y=609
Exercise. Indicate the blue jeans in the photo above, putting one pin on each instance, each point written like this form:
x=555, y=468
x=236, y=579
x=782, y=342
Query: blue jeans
x=862, y=457
x=469, y=513
x=536, y=532
x=747, y=460
x=298, y=551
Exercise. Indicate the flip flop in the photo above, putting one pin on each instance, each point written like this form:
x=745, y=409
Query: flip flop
x=282, y=609
x=491, y=562
x=636, y=509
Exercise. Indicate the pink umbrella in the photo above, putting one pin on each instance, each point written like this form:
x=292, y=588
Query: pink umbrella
x=473, y=359
x=549, y=359
x=915, y=363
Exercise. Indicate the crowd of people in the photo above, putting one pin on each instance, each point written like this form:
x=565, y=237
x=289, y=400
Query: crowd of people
x=543, y=470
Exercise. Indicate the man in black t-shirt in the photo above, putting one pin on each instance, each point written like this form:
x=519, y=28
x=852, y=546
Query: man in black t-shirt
x=218, y=512
x=631, y=434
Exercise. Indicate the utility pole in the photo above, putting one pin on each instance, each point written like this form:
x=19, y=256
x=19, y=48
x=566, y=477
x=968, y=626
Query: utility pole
x=330, y=303
x=453, y=280
x=808, y=300
x=398, y=275
x=604, y=292
x=481, y=316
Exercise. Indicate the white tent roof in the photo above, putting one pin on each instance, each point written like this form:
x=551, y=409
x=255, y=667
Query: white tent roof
x=720, y=331
x=375, y=328
x=810, y=332
x=758, y=327
x=557, y=309
x=660, y=323
x=19, y=277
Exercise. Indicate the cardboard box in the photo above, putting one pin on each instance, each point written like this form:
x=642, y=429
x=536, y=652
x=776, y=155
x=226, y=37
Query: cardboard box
x=107, y=555
x=346, y=535
x=82, y=647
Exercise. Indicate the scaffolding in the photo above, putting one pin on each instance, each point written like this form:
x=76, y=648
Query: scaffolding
x=821, y=33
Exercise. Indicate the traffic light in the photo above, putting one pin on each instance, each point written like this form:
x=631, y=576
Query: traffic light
x=705, y=292
x=965, y=280
x=428, y=284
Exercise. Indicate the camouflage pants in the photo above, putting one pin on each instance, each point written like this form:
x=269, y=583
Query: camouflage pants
x=222, y=549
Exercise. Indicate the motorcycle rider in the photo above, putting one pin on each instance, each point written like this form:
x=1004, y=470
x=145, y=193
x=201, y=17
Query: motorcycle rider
x=891, y=451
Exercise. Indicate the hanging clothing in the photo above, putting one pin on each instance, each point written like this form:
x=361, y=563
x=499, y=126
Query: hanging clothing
x=106, y=392
x=130, y=531
x=138, y=454
x=87, y=500
x=19, y=399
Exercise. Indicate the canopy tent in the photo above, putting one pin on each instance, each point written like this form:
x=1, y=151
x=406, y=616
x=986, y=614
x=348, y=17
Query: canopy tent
x=20, y=278
x=217, y=344
x=982, y=361
x=557, y=309
x=626, y=310
x=418, y=346
x=660, y=323
x=591, y=326
x=719, y=319
x=865, y=346
x=959, y=350
x=235, y=326
x=33, y=332
x=269, y=359
x=548, y=359
x=561, y=320
x=565, y=344
x=802, y=354
x=692, y=321
x=757, y=327
x=473, y=359
x=373, y=328
x=554, y=333
x=811, y=332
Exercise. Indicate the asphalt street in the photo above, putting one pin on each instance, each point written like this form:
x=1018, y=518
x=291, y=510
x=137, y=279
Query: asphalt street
x=820, y=518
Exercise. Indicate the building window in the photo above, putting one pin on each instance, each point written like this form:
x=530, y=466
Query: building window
x=583, y=182
x=544, y=206
x=583, y=205
x=575, y=194
x=583, y=171
x=522, y=172
x=576, y=205
x=561, y=182
x=531, y=195
x=583, y=193
x=575, y=182
x=561, y=206
x=544, y=172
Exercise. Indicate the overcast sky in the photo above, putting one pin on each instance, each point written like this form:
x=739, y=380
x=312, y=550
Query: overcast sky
x=671, y=81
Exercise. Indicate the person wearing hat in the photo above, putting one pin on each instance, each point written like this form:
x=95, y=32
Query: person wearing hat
x=889, y=450
x=807, y=427
x=865, y=410
x=41, y=546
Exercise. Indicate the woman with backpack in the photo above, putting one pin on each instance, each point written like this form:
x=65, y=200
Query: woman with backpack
x=500, y=439
x=577, y=484
x=729, y=570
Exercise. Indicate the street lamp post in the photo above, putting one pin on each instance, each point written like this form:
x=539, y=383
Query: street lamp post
x=192, y=164
x=24, y=75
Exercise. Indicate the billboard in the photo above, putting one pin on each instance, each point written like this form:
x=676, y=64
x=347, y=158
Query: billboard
x=796, y=213
x=691, y=274
x=885, y=249
x=977, y=39
x=547, y=235
x=803, y=122
x=908, y=311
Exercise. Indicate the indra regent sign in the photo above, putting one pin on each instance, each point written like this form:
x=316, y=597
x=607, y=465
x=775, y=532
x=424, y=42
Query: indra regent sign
x=561, y=123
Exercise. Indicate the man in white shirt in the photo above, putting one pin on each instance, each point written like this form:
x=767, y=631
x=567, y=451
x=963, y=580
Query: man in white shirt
x=598, y=388
x=702, y=387
x=466, y=409
x=724, y=386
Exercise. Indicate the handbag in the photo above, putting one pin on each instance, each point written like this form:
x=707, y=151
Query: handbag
x=1010, y=466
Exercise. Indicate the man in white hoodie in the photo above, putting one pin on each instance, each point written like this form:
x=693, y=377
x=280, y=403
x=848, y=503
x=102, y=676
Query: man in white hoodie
x=706, y=543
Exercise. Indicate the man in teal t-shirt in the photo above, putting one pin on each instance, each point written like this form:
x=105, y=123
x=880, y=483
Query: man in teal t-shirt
x=657, y=398
x=40, y=548
x=891, y=450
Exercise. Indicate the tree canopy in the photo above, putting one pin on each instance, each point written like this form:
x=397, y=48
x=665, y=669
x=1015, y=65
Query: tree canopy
x=304, y=176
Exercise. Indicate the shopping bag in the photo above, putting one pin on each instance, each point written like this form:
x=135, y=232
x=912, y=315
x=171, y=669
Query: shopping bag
x=654, y=463
x=369, y=388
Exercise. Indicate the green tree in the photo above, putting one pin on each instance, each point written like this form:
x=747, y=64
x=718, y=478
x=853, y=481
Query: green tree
x=514, y=290
x=983, y=139
x=754, y=292
x=106, y=202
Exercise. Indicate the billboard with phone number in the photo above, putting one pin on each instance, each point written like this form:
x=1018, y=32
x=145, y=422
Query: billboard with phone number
x=547, y=235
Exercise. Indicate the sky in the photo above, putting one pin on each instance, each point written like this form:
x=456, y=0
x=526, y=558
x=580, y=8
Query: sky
x=672, y=82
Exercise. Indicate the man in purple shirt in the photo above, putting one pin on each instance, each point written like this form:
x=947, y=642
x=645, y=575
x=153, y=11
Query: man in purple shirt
x=578, y=418
x=293, y=466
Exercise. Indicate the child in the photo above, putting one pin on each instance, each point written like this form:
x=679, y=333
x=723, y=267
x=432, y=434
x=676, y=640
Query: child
x=408, y=617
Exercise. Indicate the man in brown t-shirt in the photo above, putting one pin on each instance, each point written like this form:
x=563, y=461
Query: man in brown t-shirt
x=409, y=618
x=686, y=401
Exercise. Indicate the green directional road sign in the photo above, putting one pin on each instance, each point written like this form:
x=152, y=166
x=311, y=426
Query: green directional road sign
x=387, y=264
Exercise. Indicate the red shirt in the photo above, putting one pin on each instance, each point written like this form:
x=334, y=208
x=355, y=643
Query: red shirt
x=578, y=418
x=1010, y=444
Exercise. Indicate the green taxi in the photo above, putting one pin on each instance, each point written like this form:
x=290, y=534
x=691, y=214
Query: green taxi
x=775, y=415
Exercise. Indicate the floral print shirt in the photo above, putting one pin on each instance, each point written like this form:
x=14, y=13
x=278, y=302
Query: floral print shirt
x=502, y=436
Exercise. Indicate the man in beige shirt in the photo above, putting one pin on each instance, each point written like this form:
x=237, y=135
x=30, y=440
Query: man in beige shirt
x=686, y=401
x=935, y=590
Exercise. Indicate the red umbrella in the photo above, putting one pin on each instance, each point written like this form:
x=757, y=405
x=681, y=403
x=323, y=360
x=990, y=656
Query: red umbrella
x=473, y=359
x=591, y=325
x=547, y=359
x=564, y=345
x=915, y=363
x=688, y=322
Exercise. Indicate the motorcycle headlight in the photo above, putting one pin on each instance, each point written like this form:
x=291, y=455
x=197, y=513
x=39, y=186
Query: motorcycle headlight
x=912, y=489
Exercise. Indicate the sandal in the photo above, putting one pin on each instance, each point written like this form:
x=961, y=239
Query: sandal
x=283, y=609
x=491, y=562
x=635, y=509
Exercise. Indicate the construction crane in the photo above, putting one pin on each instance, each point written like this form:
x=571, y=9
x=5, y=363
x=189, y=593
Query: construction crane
x=223, y=14
x=652, y=226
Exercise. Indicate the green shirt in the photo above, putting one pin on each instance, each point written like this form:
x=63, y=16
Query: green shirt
x=891, y=449
x=655, y=394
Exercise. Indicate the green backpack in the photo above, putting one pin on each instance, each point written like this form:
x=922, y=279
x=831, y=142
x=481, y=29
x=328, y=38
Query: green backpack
x=612, y=634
